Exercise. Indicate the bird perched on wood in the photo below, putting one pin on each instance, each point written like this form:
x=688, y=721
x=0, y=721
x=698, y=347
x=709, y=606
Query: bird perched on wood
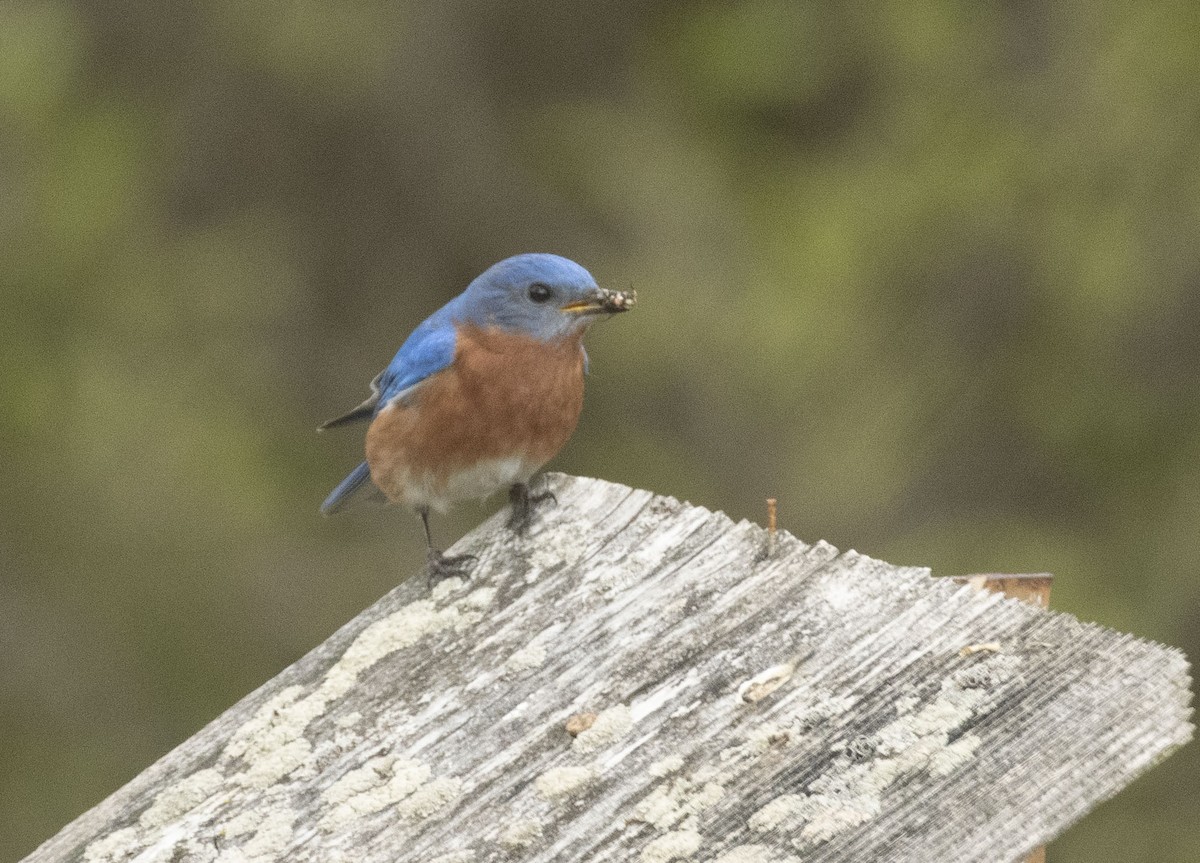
x=481, y=395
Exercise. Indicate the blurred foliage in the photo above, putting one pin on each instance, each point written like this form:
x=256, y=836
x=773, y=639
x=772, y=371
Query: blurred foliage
x=927, y=271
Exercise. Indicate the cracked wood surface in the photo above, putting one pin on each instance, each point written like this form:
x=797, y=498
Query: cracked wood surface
x=813, y=706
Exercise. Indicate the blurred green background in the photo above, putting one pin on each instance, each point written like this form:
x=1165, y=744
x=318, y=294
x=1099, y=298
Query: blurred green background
x=928, y=272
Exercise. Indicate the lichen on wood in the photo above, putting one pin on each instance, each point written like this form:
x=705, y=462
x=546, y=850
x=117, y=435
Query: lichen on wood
x=743, y=707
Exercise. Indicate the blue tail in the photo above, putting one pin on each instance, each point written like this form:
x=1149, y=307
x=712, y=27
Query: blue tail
x=347, y=489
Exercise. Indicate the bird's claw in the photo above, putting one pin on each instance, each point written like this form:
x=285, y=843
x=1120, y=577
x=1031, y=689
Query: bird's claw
x=523, y=506
x=439, y=566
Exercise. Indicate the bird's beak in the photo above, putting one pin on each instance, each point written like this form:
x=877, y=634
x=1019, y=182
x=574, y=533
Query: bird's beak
x=602, y=302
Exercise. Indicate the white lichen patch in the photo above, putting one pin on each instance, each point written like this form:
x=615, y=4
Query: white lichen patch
x=400, y=629
x=241, y=824
x=666, y=766
x=940, y=716
x=945, y=761
x=764, y=737
x=820, y=709
x=272, y=742
x=672, y=801
x=277, y=721
x=430, y=798
x=658, y=808
x=760, y=739
x=785, y=810
x=675, y=845
x=563, y=781
x=265, y=771
x=346, y=736
x=610, y=726
x=773, y=736
x=479, y=599
x=270, y=840
x=829, y=816
x=380, y=777
x=521, y=833
x=446, y=588
x=528, y=657
x=381, y=782
x=834, y=803
x=966, y=693
x=181, y=798
x=851, y=793
x=466, y=619
x=114, y=846
x=561, y=546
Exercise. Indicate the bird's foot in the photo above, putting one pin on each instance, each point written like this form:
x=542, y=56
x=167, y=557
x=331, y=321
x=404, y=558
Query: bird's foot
x=524, y=505
x=439, y=566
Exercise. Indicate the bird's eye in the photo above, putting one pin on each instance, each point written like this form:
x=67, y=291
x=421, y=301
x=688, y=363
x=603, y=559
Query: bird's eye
x=539, y=293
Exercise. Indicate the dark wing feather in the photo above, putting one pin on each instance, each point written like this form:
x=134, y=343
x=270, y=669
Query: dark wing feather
x=364, y=411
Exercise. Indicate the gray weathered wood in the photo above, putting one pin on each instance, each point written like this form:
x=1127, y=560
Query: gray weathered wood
x=814, y=706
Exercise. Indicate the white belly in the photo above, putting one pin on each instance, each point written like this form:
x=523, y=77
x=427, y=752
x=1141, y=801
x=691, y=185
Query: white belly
x=485, y=478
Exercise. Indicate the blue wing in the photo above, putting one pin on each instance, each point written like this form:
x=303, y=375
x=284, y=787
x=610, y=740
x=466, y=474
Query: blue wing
x=427, y=351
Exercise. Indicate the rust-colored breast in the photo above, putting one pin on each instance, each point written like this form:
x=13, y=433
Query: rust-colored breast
x=503, y=396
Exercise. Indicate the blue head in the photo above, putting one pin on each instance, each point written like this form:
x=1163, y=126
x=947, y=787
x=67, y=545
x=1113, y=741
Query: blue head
x=544, y=296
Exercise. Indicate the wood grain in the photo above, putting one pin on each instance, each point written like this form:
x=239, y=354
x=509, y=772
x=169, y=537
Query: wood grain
x=433, y=727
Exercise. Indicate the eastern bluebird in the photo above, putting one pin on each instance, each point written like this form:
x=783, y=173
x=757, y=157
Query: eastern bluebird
x=483, y=393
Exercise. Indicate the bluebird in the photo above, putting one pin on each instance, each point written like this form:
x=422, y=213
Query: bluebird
x=481, y=395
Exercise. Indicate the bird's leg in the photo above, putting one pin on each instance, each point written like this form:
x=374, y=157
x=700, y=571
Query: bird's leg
x=523, y=506
x=439, y=565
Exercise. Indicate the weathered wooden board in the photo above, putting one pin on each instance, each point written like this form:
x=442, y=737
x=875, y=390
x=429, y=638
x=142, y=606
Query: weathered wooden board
x=813, y=706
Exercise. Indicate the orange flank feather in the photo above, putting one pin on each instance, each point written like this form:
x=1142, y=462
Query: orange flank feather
x=503, y=408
